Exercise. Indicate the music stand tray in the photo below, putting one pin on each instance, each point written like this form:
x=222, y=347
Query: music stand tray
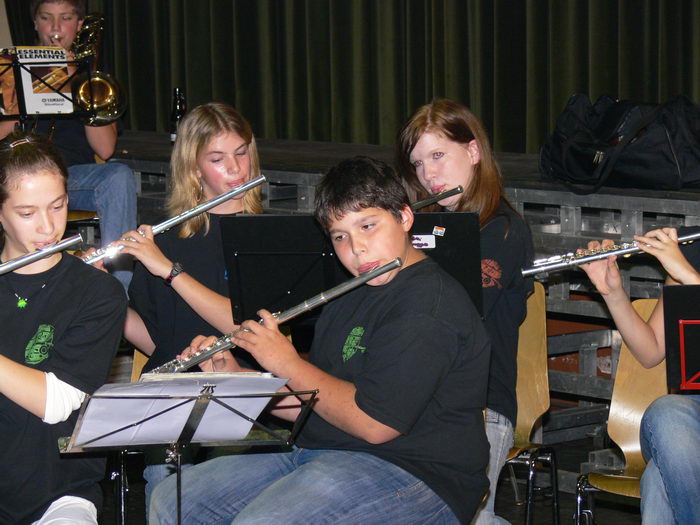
x=682, y=334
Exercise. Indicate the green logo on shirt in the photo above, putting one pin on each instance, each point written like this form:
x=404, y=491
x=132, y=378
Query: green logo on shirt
x=352, y=343
x=37, y=349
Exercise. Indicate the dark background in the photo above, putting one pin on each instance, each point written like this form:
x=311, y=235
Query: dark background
x=353, y=70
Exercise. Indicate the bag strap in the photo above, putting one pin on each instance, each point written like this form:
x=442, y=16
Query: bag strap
x=604, y=169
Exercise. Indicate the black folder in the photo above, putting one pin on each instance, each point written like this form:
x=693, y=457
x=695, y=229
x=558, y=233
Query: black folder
x=277, y=261
x=682, y=334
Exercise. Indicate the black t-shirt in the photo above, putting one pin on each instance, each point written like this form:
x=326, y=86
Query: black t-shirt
x=71, y=326
x=418, y=355
x=171, y=322
x=506, y=247
x=70, y=139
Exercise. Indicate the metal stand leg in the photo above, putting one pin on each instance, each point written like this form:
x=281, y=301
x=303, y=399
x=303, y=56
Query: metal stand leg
x=514, y=483
x=175, y=456
x=120, y=487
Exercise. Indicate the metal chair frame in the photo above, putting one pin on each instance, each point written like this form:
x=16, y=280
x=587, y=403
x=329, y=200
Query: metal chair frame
x=533, y=401
x=634, y=389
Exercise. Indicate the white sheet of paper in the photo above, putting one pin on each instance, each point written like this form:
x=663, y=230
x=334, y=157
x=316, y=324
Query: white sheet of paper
x=104, y=415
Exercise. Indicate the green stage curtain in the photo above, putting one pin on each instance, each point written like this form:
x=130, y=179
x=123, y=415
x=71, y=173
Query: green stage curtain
x=353, y=70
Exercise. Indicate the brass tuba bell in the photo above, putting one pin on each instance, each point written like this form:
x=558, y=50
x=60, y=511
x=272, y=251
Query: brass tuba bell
x=95, y=92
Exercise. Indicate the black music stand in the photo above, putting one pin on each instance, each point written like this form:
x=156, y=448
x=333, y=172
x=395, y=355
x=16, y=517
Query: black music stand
x=277, y=261
x=452, y=240
x=682, y=334
x=31, y=74
x=179, y=409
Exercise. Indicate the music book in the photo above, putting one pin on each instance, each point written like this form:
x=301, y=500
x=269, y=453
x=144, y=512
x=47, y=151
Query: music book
x=45, y=80
x=682, y=334
x=155, y=410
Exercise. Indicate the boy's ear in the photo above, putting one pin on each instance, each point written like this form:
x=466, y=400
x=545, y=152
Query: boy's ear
x=406, y=218
x=474, y=153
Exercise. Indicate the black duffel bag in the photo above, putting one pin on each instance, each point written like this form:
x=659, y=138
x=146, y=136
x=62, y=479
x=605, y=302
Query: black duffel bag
x=624, y=144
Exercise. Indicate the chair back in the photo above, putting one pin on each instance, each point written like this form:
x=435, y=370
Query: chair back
x=634, y=389
x=140, y=360
x=532, y=387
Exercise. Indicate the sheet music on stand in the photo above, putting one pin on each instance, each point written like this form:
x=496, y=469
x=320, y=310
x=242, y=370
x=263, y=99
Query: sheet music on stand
x=155, y=411
x=37, y=81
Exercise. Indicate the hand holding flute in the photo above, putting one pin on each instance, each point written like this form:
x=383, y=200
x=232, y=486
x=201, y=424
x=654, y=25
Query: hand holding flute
x=141, y=244
x=114, y=248
x=661, y=243
x=272, y=350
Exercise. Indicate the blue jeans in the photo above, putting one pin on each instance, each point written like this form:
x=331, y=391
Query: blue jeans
x=499, y=432
x=299, y=487
x=154, y=474
x=670, y=437
x=110, y=190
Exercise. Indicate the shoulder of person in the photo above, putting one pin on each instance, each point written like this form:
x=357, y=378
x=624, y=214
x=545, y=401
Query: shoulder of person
x=428, y=286
x=507, y=225
x=95, y=282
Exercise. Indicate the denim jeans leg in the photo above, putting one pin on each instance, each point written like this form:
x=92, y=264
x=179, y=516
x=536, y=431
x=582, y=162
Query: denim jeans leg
x=670, y=437
x=215, y=491
x=336, y=486
x=110, y=190
x=300, y=487
x=655, y=507
x=499, y=432
x=154, y=474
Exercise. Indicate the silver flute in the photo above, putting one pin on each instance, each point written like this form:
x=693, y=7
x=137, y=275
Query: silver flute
x=113, y=249
x=569, y=260
x=436, y=198
x=24, y=260
x=225, y=342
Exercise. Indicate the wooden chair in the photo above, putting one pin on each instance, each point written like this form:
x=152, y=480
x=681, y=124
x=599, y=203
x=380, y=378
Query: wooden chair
x=532, y=391
x=634, y=389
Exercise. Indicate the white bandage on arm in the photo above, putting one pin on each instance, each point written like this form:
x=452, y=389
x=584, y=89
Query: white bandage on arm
x=61, y=399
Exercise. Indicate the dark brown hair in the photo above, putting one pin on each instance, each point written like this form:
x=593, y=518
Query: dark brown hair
x=358, y=183
x=22, y=154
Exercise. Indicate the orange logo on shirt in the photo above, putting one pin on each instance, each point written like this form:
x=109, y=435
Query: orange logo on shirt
x=490, y=273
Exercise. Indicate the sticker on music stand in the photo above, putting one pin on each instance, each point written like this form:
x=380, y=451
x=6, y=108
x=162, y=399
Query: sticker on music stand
x=423, y=242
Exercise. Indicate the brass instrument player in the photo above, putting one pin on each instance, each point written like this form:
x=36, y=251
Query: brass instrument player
x=107, y=188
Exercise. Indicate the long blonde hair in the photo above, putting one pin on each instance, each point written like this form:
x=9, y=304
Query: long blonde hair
x=457, y=123
x=195, y=131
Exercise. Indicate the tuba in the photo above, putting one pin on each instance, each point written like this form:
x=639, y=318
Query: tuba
x=95, y=92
